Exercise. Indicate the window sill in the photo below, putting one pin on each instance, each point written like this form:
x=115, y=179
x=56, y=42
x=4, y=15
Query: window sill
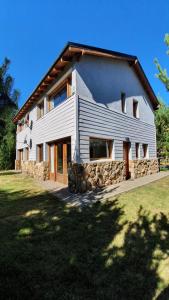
x=100, y=160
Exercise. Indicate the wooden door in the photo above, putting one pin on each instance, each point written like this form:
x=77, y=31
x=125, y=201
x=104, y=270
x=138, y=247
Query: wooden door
x=52, y=161
x=126, y=149
x=59, y=156
x=61, y=163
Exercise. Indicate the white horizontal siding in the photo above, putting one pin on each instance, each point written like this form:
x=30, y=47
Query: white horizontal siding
x=56, y=124
x=97, y=121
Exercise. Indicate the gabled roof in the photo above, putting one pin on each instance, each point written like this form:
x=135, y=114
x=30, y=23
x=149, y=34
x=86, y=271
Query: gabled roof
x=76, y=50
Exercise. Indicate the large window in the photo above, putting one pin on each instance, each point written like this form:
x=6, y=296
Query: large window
x=100, y=148
x=60, y=97
x=40, y=109
x=61, y=93
x=145, y=151
x=40, y=152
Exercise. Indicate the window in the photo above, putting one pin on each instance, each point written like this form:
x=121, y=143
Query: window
x=135, y=109
x=137, y=150
x=100, y=148
x=123, y=102
x=20, y=154
x=40, y=110
x=26, y=153
x=61, y=94
x=27, y=120
x=145, y=151
x=60, y=158
x=40, y=152
x=60, y=97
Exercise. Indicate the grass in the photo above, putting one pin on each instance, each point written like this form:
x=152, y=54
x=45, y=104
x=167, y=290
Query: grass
x=116, y=250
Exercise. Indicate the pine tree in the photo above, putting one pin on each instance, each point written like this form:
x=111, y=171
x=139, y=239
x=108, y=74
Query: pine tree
x=162, y=129
x=162, y=73
x=8, y=108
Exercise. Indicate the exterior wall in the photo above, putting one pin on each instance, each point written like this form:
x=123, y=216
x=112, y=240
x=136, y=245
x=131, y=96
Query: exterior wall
x=37, y=170
x=58, y=123
x=83, y=177
x=101, y=122
x=92, y=175
x=143, y=167
x=102, y=80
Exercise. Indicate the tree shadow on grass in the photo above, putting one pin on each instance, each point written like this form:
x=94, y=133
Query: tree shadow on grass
x=50, y=250
x=6, y=173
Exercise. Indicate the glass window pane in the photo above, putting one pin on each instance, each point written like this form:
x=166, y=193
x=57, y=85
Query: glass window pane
x=68, y=153
x=52, y=158
x=60, y=158
x=99, y=149
x=60, y=97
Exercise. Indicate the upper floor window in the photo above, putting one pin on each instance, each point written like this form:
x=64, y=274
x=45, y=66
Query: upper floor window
x=40, y=110
x=60, y=97
x=135, y=109
x=27, y=119
x=20, y=125
x=60, y=94
x=145, y=151
x=100, y=148
x=123, y=102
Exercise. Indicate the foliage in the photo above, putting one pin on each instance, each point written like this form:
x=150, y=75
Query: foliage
x=9, y=97
x=162, y=129
x=162, y=73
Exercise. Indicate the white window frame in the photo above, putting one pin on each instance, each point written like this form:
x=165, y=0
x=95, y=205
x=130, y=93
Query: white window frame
x=147, y=152
x=138, y=150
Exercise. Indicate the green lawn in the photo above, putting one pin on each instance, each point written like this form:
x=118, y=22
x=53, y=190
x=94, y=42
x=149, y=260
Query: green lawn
x=116, y=250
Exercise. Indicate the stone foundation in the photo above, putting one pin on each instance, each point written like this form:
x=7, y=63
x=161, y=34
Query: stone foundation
x=17, y=165
x=143, y=167
x=87, y=176
x=37, y=170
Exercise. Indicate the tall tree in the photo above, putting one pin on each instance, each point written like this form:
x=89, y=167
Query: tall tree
x=162, y=73
x=8, y=107
x=162, y=129
x=162, y=114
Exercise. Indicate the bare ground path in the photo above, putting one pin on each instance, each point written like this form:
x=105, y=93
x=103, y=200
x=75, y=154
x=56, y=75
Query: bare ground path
x=62, y=192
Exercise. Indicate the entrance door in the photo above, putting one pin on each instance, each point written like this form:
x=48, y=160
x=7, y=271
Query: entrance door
x=60, y=156
x=52, y=161
x=126, y=150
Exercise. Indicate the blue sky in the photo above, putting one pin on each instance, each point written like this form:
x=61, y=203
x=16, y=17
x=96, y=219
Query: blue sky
x=33, y=32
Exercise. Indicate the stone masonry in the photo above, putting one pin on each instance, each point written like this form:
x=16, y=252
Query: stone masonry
x=88, y=176
x=143, y=167
x=83, y=177
x=39, y=170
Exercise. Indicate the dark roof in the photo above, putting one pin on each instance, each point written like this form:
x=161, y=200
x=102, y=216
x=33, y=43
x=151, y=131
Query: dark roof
x=72, y=49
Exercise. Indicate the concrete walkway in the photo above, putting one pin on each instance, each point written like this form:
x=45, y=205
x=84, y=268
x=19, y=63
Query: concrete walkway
x=62, y=192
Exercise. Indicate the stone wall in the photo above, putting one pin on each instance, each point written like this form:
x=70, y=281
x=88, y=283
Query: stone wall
x=37, y=170
x=143, y=167
x=87, y=176
x=17, y=165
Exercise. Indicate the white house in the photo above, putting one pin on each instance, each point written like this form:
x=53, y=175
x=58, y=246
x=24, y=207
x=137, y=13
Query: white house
x=92, y=116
